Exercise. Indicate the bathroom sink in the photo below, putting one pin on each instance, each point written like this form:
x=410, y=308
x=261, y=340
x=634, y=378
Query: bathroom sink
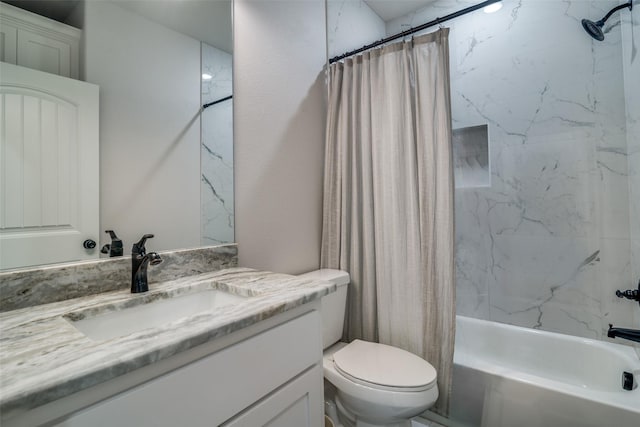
x=121, y=321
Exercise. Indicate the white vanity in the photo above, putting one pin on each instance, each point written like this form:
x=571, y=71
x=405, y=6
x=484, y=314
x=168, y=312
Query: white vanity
x=251, y=362
x=272, y=375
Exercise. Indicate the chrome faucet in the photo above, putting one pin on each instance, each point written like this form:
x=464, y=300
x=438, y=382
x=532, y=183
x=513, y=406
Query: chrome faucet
x=140, y=260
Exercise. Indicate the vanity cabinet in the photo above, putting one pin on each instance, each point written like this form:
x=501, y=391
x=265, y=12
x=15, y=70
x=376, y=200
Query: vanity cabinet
x=291, y=406
x=33, y=41
x=273, y=377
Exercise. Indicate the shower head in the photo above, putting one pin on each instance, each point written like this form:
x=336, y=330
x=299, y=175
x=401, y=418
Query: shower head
x=594, y=29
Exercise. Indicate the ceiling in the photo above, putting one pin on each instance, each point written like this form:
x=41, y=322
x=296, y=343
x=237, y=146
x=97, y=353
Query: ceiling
x=206, y=20
x=56, y=10
x=391, y=9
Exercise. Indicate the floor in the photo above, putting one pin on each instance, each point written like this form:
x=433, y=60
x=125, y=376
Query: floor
x=425, y=423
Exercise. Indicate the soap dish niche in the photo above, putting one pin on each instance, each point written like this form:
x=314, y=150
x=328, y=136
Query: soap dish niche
x=471, y=157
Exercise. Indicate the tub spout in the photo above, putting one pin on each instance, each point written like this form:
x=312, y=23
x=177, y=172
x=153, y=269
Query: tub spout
x=627, y=334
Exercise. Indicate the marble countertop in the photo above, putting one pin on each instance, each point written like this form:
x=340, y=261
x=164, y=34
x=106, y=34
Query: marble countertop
x=44, y=358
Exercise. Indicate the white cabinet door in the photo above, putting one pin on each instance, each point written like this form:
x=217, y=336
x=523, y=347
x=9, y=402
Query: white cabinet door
x=45, y=54
x=49, y=167
x=37, y=42
x=297, y=404
x=8, y=43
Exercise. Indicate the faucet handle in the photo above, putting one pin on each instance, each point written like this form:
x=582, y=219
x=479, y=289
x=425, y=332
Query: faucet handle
x=154, y=258
x=114, y=248
x=140, y=245
x=632, y=294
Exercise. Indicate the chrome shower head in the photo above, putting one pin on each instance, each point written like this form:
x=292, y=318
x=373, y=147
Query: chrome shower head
x=594, y=29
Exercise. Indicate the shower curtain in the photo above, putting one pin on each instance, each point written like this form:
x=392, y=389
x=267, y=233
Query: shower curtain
x=388, y=198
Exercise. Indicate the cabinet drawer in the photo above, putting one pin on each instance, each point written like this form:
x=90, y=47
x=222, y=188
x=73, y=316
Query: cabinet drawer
x=213, y=389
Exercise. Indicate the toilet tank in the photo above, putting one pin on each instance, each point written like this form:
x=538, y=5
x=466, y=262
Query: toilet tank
x=333, y=306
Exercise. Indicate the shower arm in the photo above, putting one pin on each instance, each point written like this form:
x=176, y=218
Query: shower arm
x=614, y=10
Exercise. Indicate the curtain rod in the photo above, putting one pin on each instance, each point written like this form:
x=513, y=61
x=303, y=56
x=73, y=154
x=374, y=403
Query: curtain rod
x=217, y=102
x=410, y=31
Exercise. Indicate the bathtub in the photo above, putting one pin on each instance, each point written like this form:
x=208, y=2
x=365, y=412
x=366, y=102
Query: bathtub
x=506, y=376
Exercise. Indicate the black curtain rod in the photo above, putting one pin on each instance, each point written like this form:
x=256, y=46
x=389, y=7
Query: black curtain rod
x=217, y=102
x=410, y=31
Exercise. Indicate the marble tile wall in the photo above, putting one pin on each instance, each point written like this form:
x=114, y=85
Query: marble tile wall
x=351, y=24
x=217, y=149
x=631, y=66
x=548, y=243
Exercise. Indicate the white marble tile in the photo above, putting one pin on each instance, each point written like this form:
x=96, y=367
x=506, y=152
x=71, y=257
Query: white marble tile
x=536, y=278
x=351, y=24
x=613, y=189
x=548, y=189
x=217, y=198
x=473, y=306
x=554, y=105
x=616, y=275
x=529, y=84
x=217, y=64
x=631, y=66
x=473, y=244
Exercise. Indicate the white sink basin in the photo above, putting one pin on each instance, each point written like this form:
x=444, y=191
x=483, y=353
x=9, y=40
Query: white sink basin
x=156, y=313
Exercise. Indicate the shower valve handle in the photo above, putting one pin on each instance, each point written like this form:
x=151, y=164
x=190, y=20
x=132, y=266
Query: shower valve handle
x=632, y=294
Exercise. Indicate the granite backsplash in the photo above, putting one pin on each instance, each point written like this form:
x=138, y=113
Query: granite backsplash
x=42, y=285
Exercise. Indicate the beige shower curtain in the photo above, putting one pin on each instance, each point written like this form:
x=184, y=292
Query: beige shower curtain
x=388, y=198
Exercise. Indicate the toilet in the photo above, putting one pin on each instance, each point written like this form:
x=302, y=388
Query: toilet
x=374, y=384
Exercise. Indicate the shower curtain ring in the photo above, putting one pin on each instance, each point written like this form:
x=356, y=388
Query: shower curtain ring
x=406, y=32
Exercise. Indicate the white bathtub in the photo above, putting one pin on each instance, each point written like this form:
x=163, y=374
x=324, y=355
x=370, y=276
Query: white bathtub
x=508, y=376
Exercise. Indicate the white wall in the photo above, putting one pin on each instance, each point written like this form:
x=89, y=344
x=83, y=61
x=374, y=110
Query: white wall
x=149, y=126
x=279, y=120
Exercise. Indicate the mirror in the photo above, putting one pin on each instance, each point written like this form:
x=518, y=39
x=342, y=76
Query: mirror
x=165, y=162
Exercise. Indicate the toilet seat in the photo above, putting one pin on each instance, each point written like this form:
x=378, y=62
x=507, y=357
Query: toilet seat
x=384, y=367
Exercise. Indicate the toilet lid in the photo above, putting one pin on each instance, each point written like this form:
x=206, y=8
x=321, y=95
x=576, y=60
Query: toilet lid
x=385, y=366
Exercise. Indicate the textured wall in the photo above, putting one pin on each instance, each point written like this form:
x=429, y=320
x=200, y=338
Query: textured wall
x=279, y=121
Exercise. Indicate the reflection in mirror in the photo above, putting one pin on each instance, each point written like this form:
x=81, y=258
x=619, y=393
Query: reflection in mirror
x=217, y=146
x=148, y=59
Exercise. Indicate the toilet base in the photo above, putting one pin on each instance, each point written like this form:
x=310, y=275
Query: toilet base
x=348, y=419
